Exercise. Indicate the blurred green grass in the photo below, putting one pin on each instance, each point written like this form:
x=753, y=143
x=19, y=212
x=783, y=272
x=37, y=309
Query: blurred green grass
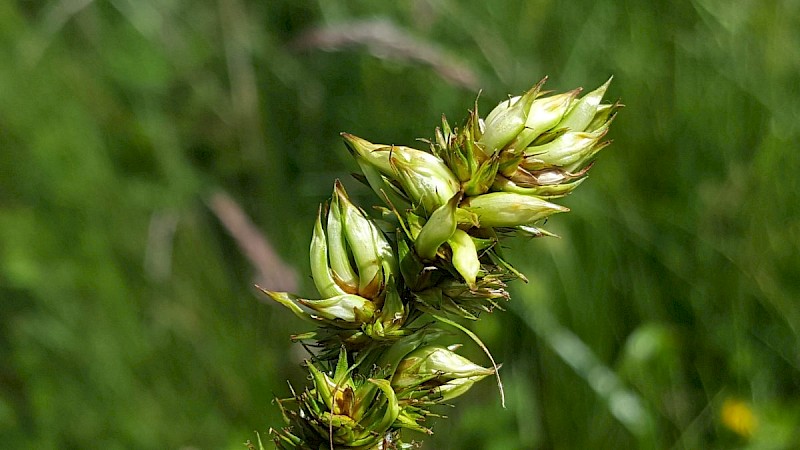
x=127, y=315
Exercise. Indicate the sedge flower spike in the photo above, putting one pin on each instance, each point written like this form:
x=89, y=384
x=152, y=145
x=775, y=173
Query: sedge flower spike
x=430, y=257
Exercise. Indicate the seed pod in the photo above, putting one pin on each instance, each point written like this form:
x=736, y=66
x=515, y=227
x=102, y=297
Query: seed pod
x=465, y=256
x=506, y=209
x=543, y=115
x=425, y=178
x=320, y=269
x=338, y=253
x=569, y=151
x=436, y=372
x=363, y=240
x=342, y=311
x=438, y=229
x=428, y=185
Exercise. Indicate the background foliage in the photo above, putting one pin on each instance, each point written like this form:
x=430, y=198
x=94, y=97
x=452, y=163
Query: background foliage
x=666, y=317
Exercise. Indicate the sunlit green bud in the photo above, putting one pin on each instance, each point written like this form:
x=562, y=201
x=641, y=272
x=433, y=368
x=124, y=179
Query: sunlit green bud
x=433, y=367
x=544, y=114
x=587, y=158
x=455, y=388
x=429, y=185
x=465, y=256
x=290, y=302
x=320, y=270
x=363, y=239
x=347, y=307
x=439, y=227
x=570, y=150
x=507, y=209
x=366, y=151
x=338, y=253
x=425, y=177
x=385, y=190
x=548, y=176
x=579, y=117
x=506, y=120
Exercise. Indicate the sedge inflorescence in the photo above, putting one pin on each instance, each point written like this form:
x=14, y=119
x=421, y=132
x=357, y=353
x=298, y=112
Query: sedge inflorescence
x=427, y=256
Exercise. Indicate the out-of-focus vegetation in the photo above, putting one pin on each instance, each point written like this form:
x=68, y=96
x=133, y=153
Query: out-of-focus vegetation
x=667, y=316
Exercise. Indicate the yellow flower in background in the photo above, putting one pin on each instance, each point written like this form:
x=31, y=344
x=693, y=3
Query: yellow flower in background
x=738, y=417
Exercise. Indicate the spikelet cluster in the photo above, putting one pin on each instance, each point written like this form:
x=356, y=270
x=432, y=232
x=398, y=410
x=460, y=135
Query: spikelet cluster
x=428, y=256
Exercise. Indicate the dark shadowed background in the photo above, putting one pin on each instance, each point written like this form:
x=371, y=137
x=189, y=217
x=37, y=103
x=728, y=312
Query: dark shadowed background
x=159, y=157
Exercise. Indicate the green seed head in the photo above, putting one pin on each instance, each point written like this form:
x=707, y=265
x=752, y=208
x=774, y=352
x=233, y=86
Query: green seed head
x=446, y=212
